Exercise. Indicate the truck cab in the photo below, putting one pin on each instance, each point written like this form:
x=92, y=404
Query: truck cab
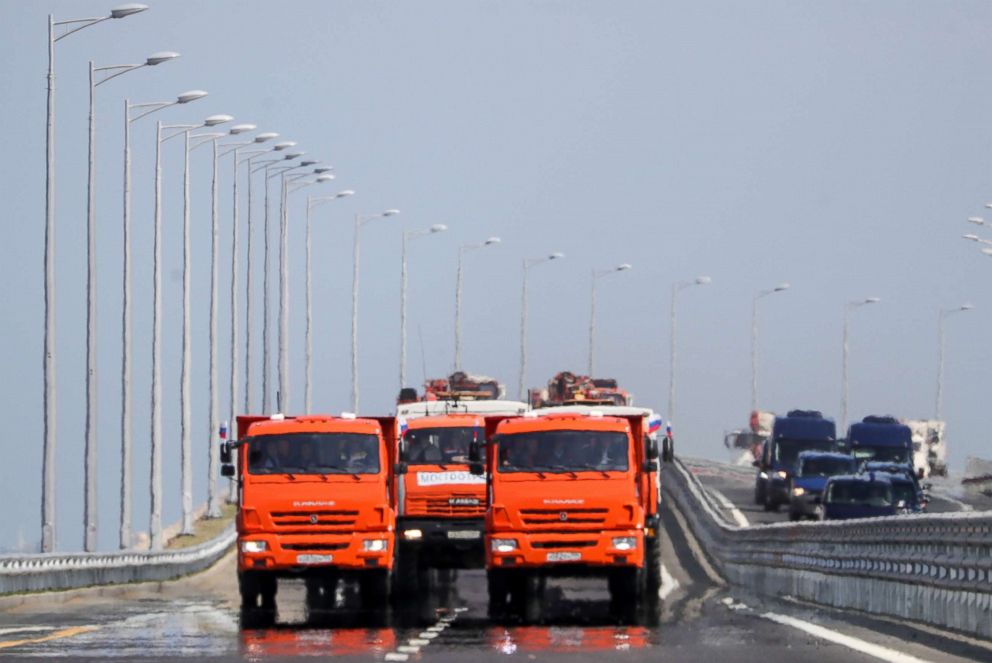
x=440, y=503
x=798, y=431
x=570, y=495
x=813, y=469
x=880, y=439
x=314, y=502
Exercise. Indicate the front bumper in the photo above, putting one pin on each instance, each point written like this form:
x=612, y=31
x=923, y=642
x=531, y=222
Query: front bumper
x=806, y=504
x=566, y=553
x=778, y=490
x=300, y=553
x=453, y=543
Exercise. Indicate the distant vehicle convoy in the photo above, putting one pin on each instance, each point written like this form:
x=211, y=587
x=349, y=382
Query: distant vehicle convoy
x=798, y=431
x=813, y=470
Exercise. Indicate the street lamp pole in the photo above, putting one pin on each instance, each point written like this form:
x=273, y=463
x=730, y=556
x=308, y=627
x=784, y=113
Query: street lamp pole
x=360, y=221
x=90, y=507
x=939, y=409
x=288, y=186
x=312, y=202
x=754, y=339
x=676, y=289
x=407, y=235
x=465, y=248
x=596, y=275
x=843, y=397
x=528, y=263
x=50, y=439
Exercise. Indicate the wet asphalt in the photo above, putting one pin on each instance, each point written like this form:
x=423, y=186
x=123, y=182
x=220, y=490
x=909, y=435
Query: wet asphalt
x=698, y=619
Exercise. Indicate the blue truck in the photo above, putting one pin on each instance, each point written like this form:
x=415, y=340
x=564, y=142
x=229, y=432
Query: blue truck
x=798, y=431
x=813, y=469
x=880, y=439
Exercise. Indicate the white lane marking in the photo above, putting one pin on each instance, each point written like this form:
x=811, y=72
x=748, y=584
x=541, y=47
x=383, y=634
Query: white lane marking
x=418, y=642
x=394, y=656
x=739, y=517
x=429, y=635
x=414, y=645
x=858, y=645
x=407, y=649
x=668, y=583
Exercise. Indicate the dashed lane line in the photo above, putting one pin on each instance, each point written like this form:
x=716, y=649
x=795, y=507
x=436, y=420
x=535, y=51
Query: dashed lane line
x=668, y=583
x=857, y=644
x=739, y=517
x=55, y=635
x=415, y=645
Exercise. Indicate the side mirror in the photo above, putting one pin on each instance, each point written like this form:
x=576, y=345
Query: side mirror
x=475, y=454
x=400, y=468
x=475, y=467
x=652, y=449
x=225, y=452
x=227, y=470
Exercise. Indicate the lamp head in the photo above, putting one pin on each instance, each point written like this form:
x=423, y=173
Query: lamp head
x=189, y=96
x=324, y=178
x=703, y=280
x=438, y=228
x=122, y=11
x=268, y=135
x=977, y=220
x=241, y=128
x=214, y=120
x=160, y=57
x=344, y=194
x=391, y=212
x=556, y=256
x=780, y=287
x=623, y=267
x=285, y=145
x=492, y=240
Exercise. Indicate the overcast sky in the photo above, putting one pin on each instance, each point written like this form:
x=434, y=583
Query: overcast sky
x=836, y=146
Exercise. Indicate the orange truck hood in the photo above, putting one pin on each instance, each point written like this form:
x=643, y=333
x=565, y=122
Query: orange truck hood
x=589, y=502
x=310, y=504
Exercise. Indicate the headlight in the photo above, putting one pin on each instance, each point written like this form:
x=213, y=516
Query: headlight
x=625, y=542
x=504, y=545
x=763, y=475
x=374, y=545
x=798, y=491
x=254, y=546
x=782, y=474
x=413, y=534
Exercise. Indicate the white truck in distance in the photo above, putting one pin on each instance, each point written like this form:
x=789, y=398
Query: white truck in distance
x=929, y=448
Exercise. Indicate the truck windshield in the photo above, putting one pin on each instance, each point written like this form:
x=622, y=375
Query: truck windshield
x=826, y=467
x=786, y=451
x=563, y=451
x=860, y=492
x=884, y=454
x=314, y=453
x=440, y=446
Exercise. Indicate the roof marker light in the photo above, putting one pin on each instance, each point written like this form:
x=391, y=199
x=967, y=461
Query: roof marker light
x=278, y=416
x=348, y=415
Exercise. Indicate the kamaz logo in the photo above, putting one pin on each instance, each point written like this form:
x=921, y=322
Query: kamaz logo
x=563, y=516
x=313, y=519
x=463, y=501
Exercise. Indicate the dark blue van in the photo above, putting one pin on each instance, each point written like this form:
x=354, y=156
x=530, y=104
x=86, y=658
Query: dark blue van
x=858, y=496
x=798, y=431
x=812, y=471
x=880, y=439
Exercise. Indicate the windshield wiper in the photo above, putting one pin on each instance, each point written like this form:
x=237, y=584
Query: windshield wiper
x=562, y=468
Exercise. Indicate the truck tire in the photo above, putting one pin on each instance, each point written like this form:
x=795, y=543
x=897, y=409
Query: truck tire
x=250, y=589
x=374, y=588
x=759, y=492
x=626, y=585
x=770, y=503
x=407, y=573
x=321, y=590
x=269, y=586
x=652, y=563
x=499, y=588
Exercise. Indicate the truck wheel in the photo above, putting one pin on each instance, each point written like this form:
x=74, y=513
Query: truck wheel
x=794, y=515
x=652, y=563
x=250, y=588
x=374, y=587
x=269, y=586
x=406, y=571
x=770, y=503
x=625, y=585
x=496, y=582
x=321, y=591
x=759, y=492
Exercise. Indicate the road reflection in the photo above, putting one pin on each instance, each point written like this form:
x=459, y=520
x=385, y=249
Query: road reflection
x=558, y=639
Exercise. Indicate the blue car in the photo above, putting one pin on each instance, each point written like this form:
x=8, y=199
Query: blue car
x=903, y=472
x=858, y=496
x=813, y=469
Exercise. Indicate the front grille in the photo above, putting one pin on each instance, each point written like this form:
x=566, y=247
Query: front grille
x=336, y=519
x=321, y=547
x=564, y=518
x=552, y=545
x=441, y=506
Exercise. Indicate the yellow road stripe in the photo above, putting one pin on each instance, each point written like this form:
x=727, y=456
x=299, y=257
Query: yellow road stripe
x=57, y=635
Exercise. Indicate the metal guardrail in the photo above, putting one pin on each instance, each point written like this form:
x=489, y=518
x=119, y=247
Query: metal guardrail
x=55, y=571
x=933, y=568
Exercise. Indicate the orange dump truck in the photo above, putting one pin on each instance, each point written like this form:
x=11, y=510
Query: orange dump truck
x=570, y=495
x=315, y=501
x=440, y=504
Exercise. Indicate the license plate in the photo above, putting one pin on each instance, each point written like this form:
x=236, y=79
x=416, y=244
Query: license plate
x=564, y=556
x=314, y=559
x=464, y=534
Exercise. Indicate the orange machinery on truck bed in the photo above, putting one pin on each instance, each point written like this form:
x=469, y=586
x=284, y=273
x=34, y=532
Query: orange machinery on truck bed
x=316, y=501
x=440, y=504
x=570, y=495
x=567, y=388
